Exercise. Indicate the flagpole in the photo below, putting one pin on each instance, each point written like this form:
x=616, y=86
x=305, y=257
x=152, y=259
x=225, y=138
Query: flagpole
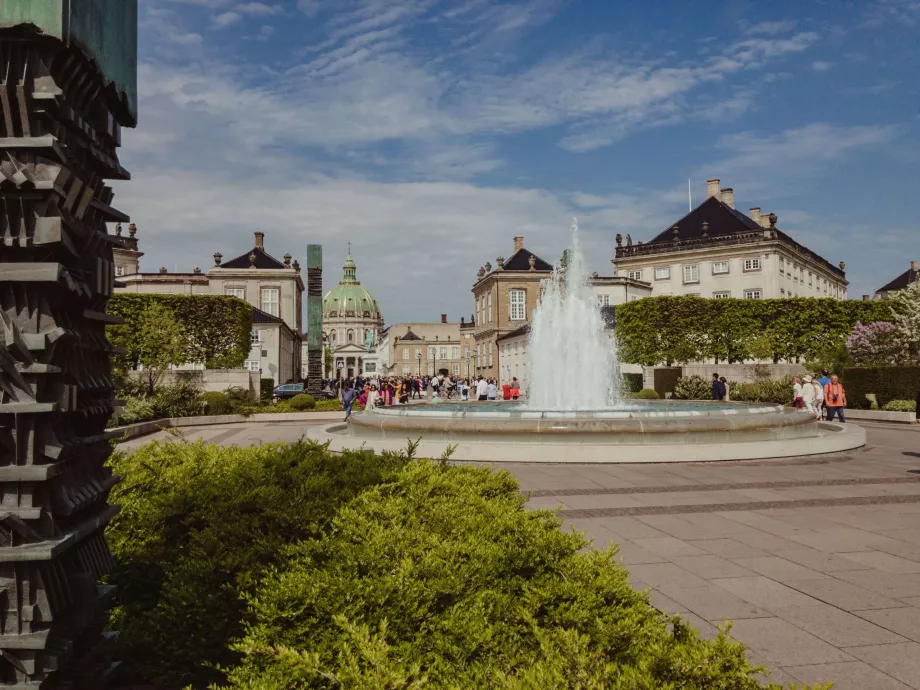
x=689, y=196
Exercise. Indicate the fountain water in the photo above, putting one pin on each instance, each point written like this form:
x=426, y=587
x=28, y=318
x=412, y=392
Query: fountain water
x=573, y=362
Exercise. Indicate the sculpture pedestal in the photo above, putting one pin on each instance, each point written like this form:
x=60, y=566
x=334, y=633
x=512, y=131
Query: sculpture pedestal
x=369, y=366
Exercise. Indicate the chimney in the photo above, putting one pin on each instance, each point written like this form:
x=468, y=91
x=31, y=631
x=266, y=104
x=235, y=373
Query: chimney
x=728, y=197
x=712, y=188
x=755, y=214
x=913, y=266
x=518, y=243
x=260, y=240
x=443, y=318
x=764, y=220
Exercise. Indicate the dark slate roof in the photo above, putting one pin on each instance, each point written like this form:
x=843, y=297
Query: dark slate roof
x=521, y=262
x=263, y=260
x=902, y=281
x=410, y=336
x=520, y=330
x=723, y=220
x=259, y=316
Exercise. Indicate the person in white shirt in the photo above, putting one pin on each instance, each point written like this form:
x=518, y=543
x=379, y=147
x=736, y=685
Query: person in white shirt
x=796, y=393
x=491, y=390
x=482, y=390
x=808, y=393
x=372, y=397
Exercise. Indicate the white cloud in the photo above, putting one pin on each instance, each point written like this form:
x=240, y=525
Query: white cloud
x=258, y=8
x=225, y=19
x=770, y=28
x=822, y=65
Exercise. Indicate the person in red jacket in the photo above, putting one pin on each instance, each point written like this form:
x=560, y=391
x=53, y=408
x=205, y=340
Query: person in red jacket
x=506, y=391
x=835, y=399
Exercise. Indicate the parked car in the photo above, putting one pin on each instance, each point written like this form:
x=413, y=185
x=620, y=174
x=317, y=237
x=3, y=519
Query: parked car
x=288, y=390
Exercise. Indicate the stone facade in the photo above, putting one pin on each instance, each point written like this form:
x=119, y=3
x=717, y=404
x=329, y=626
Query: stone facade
x=426, y=347
x=716, y=251
x=352, y=318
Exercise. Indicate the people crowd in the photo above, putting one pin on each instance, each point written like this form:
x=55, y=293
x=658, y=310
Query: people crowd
x=381, y=391
x=823, y=396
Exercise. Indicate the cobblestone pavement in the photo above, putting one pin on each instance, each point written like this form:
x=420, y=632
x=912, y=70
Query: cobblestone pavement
x=816, y=560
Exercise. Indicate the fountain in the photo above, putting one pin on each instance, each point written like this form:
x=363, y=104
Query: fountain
x=575, y=412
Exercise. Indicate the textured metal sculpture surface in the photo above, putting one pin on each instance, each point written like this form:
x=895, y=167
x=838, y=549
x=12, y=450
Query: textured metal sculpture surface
x=60, y=119
x=314, y=319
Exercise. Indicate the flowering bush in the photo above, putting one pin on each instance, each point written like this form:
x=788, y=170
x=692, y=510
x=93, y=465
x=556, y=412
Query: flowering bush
x=878, y=344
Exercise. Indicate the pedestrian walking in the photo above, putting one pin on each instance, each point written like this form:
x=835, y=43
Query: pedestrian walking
x=835, y=399
x=725, y=388
x=372, y=397
x=482, y=389
x=348, y=401
x=491, y=390
x=808, y=394
x=516, y=388
x=797, y=393
x=718, y=388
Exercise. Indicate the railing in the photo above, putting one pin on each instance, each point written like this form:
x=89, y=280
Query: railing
x=696, y=243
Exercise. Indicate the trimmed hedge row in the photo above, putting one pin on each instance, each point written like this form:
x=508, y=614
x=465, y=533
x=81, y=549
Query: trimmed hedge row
x=887, y=383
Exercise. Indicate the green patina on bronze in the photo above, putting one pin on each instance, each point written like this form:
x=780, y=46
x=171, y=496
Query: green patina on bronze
x=104, y=30
x=314, y=300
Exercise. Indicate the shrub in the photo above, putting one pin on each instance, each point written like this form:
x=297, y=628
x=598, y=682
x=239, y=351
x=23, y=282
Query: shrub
x=443, y=579
x=693, y=388
x=239, y=399
x=900, y=406
x=878, y=344
x=330, y=405
x=632, y=383
x=136, y=410
x=302, y=401
x=646, y=394
x=181, y=399
x=888, y=383
x=215, y=403
x=266, y=390
x=199, y=525
x=776, y=391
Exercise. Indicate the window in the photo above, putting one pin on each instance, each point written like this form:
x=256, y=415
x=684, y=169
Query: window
x=782, y=266
x=432, y=352
x=518, y=298
x=466, y=353
x=490, y=354
x=719, y=267
x=809, y=279
x=635, y=275
x=490, y=307
x=405, y=353
x=350, y=336
x=456, y=370
x=256, y=337
x=603, y=300
x=662, y=273
x=752, y=264
x=418, y=352
x=251, y=365
x=691, y=274
x=332, y=337
x=721, y=295
x=782, y=292
x=270, y=304
x=236, y=292
x=455, y=353
x=119, y=270
x=405, y=370
x=443, y=353
x=752, y=294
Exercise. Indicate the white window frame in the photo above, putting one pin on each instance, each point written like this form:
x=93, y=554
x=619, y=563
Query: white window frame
x=267, y=301
x=235, y=292
x=603, y=300
x=455, y=352
x=693, y=270
x=252, y=365
x=753, y=294
x=720, y=263
x=406, y=370
x=722, y=295
x=119, y=271
x=662, y=273
x=634, y=275
x=750, y=265
x=490, y=307
x=517, y=299
x=405, y=353
x=256, y=337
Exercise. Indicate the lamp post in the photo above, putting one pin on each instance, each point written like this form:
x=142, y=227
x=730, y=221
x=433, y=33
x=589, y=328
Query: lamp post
x=420, y=363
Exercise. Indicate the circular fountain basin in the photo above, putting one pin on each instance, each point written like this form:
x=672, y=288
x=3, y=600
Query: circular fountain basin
x=659, y=431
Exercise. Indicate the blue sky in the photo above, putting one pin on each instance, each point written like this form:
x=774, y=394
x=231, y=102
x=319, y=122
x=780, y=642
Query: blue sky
x=428, y=133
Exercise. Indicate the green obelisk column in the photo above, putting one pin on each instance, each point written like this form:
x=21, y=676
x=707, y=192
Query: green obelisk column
x=314, y=319
x=68, y=84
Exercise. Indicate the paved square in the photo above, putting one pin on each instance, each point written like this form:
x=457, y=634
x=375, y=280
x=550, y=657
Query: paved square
x=817, y=560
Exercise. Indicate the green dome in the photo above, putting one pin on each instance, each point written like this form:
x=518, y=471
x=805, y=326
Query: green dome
x=350, y=298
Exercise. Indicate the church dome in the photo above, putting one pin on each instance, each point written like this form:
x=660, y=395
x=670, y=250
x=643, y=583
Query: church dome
x=349, y=298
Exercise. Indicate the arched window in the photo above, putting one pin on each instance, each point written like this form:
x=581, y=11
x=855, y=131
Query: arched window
x=351, y=336
x=332, y=337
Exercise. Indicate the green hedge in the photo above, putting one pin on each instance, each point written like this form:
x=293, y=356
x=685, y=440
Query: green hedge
x=888, y=383
x=443, y=579
x=216, y=330
x=302, y=401
x=632, y=383
x=266, y=389
x=199, y=526
x=216, y=403
x=646, y=394
x=676, y=329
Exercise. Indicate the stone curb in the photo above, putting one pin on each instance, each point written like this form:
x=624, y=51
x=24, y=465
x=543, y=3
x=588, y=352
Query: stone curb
x=881, y=416
x=123, y=433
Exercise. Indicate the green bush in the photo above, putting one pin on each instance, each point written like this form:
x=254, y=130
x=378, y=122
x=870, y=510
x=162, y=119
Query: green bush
x=443, y=579
x=302, y=401
x=330, y=406
x=181, y=399
x=776, y=391
x=693, y=388
x=632, y=383
x=215, y=403
x=136, y=410
x=900, y=406
x=646, y=394
x=239, y=399
x=266, y=390
x=199, y=525
x=888, y=383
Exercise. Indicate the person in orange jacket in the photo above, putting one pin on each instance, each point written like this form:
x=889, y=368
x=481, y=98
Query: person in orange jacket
x=835, y=399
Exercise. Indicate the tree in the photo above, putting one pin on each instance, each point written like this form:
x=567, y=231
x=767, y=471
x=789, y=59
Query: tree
x=878, y=344
x=327, y=361
x=160, y=343
x=906, y=305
